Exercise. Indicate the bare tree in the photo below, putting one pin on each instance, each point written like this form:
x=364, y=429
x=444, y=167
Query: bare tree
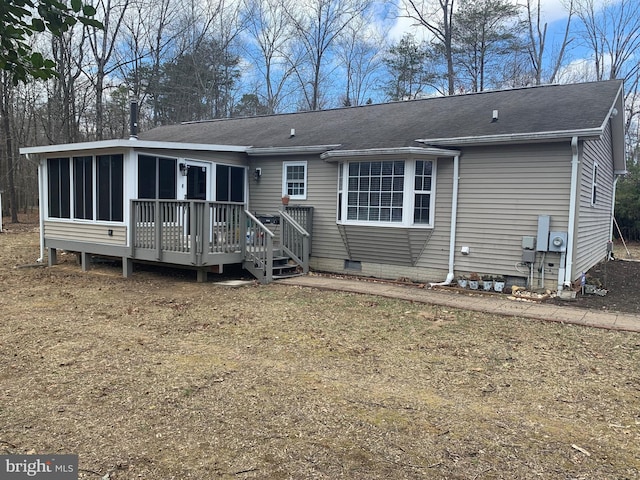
x=150, y=32
x=319, y=23
x=103, y=43
x=358, y=50
x=271, y=32
x=537, y=38
x=612, y=31
x=62, y=118
x=437, y=18
x=6, y=114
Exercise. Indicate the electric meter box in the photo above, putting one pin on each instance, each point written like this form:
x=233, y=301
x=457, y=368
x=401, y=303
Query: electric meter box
x=558, y=241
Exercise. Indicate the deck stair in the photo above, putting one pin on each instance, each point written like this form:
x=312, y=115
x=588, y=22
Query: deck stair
x=284, y=266
x=268, y=262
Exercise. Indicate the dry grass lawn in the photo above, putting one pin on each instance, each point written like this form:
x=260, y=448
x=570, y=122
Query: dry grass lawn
x=159, y=377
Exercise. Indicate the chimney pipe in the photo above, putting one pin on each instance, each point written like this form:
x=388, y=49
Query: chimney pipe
x=133, y=119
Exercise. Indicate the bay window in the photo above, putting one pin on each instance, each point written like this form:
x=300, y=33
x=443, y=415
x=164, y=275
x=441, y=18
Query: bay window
x=387, y=192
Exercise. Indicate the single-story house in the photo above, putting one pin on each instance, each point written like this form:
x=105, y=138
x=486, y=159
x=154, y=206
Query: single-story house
x=518, y=183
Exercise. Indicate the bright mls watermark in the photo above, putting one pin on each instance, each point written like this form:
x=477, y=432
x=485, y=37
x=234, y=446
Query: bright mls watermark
x=38, y=467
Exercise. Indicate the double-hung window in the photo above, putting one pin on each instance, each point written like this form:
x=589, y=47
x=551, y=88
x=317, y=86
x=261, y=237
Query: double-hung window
x=386, y=193
x=294, y=180
x=422, y=192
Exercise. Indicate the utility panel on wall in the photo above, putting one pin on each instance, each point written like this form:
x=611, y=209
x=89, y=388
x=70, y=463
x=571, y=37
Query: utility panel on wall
x=558, y=242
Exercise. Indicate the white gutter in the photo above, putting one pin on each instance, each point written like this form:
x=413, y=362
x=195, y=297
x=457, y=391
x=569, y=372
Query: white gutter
x=514, y=137
x=303, y=149
x=565, y=271
x=432, y=151
x=454, y=221
x=121, y=143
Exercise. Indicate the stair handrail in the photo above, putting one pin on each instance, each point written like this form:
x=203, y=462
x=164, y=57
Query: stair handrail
x=298, y=251
x=258, y=249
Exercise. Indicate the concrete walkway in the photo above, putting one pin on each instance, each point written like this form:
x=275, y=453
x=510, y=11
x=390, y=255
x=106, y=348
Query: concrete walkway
x=498, y=304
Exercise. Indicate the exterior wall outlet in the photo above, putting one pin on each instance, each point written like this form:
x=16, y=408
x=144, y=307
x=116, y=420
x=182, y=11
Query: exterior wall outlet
x=465, y=250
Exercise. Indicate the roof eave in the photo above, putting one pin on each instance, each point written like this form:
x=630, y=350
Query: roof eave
x=514, y=138
x=131, y=143
x=336, y=155
x=298, y=150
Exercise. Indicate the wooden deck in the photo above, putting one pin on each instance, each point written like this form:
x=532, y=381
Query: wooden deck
x=204, y=234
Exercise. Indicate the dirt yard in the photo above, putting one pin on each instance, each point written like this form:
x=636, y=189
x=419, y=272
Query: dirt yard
x=159, y=377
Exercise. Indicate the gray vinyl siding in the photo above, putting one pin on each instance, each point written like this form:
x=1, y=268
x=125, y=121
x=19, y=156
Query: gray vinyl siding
x=86, y=233
x=265, y=197
x=502, y=192
x=435, y=255
x=394, y=246
x=594, y=221
x=425, y=248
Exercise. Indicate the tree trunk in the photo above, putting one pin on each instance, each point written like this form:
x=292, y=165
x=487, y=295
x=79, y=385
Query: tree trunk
x=6, y=126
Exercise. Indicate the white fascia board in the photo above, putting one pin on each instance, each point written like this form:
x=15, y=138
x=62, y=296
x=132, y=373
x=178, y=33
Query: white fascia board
x=515, y=138
x=403, y=151
x=135, y=144
x=308, y=149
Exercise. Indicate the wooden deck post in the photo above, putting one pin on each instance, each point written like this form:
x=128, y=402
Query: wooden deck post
x=85, y=260
x=127, y=267
x=201, y=275
x=53, y=256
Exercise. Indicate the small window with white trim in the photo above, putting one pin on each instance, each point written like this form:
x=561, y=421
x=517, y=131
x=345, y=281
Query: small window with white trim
x=594, y=184
x=294, y=180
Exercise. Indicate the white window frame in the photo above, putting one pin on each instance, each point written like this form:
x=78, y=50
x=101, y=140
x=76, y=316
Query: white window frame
x=285, y=183
x=594, y=184
x=408, y=201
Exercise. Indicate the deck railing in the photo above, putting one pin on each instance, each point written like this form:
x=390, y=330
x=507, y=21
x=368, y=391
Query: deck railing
x=258, y=252
x=295, y=241
x=303, y=216
x=192, y=228
x=203, y=233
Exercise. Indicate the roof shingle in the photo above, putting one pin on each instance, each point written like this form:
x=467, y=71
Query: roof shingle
x=531, y=110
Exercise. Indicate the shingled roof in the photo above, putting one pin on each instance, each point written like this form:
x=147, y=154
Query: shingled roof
x=551, y=109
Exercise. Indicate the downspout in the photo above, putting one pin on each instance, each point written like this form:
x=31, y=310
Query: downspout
x=566, y=268
x=454, y=220
x=41, y=206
